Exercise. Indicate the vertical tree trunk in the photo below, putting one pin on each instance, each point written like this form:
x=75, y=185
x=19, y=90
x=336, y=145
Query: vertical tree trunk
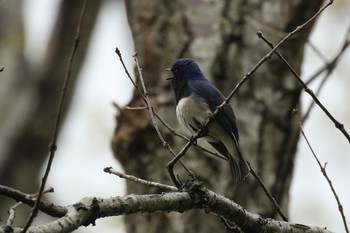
x=30, y=95
x=220, y=36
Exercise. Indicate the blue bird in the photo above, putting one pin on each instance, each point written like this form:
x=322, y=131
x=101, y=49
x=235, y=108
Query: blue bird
x=196, y=100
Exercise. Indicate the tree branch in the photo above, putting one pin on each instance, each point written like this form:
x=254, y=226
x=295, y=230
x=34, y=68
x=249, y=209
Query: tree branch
x=48, y=208
x=89, y=209
x=323, y=170
x=337, y=124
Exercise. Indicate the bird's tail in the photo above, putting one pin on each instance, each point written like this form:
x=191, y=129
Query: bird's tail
x=238, y=165
x=239, y=169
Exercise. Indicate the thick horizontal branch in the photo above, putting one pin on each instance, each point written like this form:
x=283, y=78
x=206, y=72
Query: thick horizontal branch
x=88, y=210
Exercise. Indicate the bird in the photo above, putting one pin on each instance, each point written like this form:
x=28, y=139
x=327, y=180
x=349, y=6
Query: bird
x=196, y=100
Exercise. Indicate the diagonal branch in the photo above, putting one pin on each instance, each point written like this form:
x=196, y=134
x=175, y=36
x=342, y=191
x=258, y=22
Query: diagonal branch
x=174, y=132
x=323, y=170
x=268, y=194
x=337, y=124
x=328, y=68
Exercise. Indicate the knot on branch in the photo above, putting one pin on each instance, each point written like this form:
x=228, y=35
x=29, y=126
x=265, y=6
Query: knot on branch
x=93, y=208
x=197, y=191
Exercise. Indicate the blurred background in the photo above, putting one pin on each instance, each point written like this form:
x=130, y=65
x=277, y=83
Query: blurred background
x=84, y=139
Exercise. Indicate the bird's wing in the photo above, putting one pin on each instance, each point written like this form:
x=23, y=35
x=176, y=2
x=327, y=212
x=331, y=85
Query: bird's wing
x=226, y=118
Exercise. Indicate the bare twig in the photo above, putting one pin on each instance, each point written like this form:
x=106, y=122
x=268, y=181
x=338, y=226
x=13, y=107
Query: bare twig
x=2, y=69
x=187, y=139
x=317, y=93
x=28, y=199
x=328, y=67
x=170, y=165
x=149, y=107
x=117, y=51
x=323, y=170
x=174, y=132
x=317, y=51
x=164, y=187
x=148, y=102
x=53, y=143
x=268, y=194
x=12, y=210
x=337, y=124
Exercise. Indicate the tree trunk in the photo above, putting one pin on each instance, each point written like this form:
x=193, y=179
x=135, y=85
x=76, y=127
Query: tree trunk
x=29, y=98
x=221, y=37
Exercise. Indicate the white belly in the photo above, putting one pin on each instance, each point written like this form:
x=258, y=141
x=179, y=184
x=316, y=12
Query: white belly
x=192, y=110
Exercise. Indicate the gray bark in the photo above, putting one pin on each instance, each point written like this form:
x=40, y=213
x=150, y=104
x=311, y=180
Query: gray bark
x=89, y=209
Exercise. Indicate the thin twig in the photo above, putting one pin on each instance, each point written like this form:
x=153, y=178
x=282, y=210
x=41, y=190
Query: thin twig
x=148, y=102
x=329, y=67
x=12, y=210
x=187, y=139
x=165, y=144
x=337, y=124
x=117, y=51
x=317, y=93
x=268, y=194
x=48, y=208
x=164, y=187
x=317, y=51
x=53, y=143
x=170, y=165
x=323, y=170
x=174, y=132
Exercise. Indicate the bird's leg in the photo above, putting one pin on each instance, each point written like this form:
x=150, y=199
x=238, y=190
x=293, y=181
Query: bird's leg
x=170, y=165
x=193, y=140
x=175, y=179
x=203, y=132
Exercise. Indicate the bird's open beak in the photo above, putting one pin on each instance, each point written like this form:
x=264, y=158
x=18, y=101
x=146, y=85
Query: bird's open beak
x=170, y=78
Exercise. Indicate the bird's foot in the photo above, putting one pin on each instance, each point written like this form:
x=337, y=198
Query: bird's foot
x=193, y=140
x=197, y=191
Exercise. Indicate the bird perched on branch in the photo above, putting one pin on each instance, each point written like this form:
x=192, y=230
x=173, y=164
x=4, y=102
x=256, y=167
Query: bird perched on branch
x=196, y=100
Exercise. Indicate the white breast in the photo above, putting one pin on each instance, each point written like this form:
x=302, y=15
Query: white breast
x=191, y=110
